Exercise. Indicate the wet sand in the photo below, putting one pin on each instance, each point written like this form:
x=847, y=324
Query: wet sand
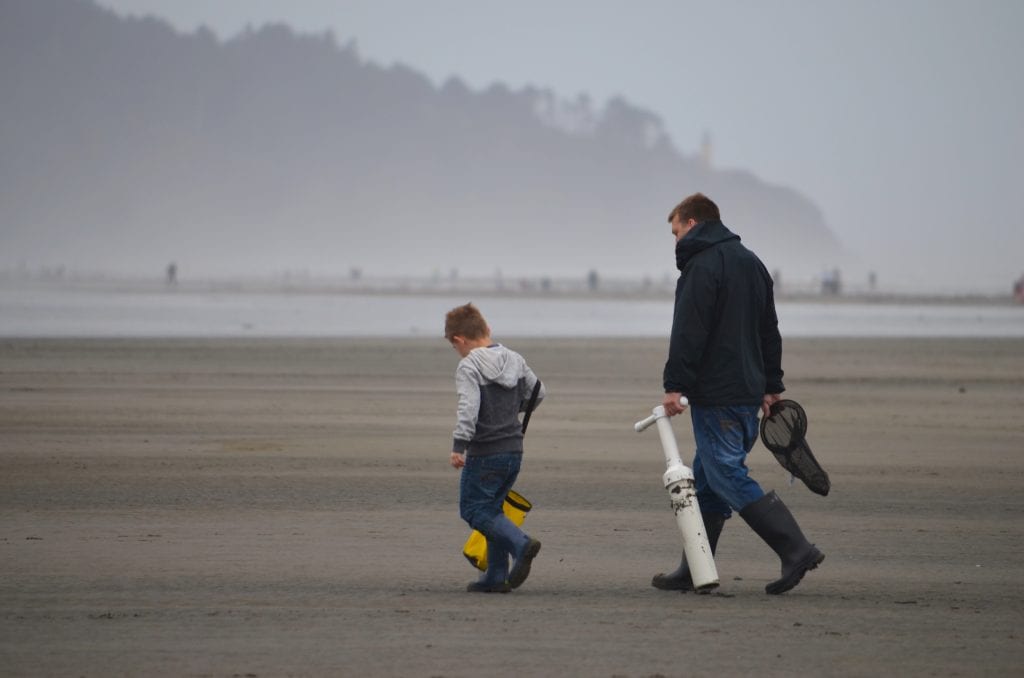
x=268, y=508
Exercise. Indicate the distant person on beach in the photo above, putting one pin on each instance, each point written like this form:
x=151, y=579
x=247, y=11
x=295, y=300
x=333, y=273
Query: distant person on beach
x=725, y=356
x=172, y=274
x=494, y=385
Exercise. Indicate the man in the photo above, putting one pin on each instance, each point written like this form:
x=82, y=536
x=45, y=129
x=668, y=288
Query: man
x=725, y=356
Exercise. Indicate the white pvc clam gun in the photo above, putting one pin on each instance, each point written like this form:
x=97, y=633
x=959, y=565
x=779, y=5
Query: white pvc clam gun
x=682, y=494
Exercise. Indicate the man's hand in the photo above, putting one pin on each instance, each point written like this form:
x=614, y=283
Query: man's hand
x=767, y=402
x=458, y=460
x=671, y=404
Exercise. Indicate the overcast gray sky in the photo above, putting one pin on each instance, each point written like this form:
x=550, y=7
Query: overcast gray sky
x=901, y=119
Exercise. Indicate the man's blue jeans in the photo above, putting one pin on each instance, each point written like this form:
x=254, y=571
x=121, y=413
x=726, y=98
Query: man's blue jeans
x=724, y=436
x=484, y=483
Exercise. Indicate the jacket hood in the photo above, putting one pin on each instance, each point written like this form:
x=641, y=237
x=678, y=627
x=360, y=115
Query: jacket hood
x=702, y=236
x=497, y=364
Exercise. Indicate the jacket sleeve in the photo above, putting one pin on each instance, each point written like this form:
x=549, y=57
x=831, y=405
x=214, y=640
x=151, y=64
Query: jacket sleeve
x=468, y=389
x=771, y=345
x=692, y=323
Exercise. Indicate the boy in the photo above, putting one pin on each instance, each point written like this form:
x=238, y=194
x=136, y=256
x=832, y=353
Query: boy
x=493, y=386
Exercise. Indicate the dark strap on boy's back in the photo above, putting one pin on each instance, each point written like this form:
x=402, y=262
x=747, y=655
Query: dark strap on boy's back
x=530, y=405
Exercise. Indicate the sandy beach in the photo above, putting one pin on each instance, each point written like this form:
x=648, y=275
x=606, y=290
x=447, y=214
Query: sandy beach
x=285, y=507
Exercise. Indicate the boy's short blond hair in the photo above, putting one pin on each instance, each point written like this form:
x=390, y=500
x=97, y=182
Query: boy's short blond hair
x=465, y=321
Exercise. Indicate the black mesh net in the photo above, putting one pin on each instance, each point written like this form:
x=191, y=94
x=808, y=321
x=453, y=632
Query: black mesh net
x=783, y=433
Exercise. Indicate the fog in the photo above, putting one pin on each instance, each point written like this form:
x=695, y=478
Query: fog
x=897, y=126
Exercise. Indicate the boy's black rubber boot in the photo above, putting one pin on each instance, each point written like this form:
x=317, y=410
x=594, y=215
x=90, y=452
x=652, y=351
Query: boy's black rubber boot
x=680, y=579
x=488, y=587
x=521, y=567
x=773, y=522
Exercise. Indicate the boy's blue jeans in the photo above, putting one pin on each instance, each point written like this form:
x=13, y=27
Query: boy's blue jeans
x=484, y=483
x=724, y=436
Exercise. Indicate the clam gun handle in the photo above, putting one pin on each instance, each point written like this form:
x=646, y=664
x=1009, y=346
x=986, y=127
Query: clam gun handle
x=657, y=414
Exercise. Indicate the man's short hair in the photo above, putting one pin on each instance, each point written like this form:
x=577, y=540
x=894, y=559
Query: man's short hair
x=698, y=207
x=465, y=321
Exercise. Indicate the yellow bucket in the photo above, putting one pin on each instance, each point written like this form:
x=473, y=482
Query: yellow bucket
x=515, y=507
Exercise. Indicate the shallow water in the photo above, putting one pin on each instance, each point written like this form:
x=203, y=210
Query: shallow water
x=157, y=312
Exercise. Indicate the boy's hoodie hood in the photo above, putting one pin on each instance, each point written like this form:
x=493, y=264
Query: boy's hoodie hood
x=702, y=236
x=497, y=364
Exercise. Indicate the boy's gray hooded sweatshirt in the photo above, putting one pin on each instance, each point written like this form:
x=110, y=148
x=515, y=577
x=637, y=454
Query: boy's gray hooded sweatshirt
x=494, y=385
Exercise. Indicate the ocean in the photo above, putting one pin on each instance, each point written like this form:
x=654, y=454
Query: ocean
x=69, y=311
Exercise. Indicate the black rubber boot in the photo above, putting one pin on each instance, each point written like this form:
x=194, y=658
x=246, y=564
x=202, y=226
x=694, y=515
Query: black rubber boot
x=522, y=547
x=495, y=579
x=773, y=522
x=488, y=587
x=680, y=580
x=521, y=567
